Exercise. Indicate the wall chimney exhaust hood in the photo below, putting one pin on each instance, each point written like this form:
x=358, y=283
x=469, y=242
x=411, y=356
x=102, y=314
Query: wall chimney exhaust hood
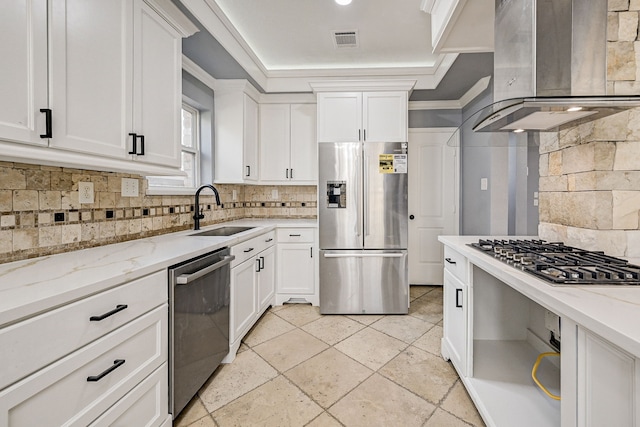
x=550, y=66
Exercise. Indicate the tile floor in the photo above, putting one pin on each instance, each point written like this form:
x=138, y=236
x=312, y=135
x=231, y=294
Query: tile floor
x=297, y=367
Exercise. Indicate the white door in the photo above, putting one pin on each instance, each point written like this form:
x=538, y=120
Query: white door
x=250, y=139
x=23, y=86
x=433, y=200
x=90, y=75
x=339, y=116
x=384, y=116
x=296, y=270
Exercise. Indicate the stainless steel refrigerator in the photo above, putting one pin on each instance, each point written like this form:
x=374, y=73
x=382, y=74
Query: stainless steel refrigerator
x=362, y=204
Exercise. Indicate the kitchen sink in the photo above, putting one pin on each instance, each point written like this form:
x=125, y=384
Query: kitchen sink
x=222, y=231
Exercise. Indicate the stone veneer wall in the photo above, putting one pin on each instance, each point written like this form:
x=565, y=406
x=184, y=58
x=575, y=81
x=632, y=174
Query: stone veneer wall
x=590, y=174
x=40, y=213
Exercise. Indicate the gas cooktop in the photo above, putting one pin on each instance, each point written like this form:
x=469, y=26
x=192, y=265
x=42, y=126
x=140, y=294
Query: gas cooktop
x=561, y=264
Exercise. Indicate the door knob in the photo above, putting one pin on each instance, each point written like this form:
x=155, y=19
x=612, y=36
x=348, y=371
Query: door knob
x=411, y=217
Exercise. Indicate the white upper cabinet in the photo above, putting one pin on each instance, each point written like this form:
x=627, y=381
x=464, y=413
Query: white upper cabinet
x=91, y=73
x=288, y=151
x=94, y=78
x=236, y=132
x=23, y=86
x=363, y=116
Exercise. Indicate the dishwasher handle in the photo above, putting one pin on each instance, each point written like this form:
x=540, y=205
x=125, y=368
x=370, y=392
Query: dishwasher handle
x=185, y=279
x=378, y=255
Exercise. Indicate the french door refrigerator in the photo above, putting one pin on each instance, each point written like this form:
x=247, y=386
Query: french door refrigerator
x=362, y=204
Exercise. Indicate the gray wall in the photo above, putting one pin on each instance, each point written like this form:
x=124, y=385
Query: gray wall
x=435, y=118
x=200, y=96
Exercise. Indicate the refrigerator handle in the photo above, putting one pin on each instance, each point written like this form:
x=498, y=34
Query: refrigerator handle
x=380, y=255
x=359, y=204
x=366, y=195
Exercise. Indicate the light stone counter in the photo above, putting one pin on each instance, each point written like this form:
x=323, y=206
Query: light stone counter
x=31, y=286
x=612, y=312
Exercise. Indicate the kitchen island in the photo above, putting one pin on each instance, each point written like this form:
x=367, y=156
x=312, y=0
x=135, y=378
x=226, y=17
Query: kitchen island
x=495, y=325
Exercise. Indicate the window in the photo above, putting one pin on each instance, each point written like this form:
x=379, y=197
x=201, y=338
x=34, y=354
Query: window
x=190, y=155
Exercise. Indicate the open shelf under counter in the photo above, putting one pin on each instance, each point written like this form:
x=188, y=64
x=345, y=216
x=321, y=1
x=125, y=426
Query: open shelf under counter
x=502, y=387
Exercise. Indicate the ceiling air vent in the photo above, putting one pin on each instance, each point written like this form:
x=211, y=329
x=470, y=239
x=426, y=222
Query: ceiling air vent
x=345, y=38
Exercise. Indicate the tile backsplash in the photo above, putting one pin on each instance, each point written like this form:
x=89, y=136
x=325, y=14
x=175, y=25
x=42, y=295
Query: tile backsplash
x=40, y=212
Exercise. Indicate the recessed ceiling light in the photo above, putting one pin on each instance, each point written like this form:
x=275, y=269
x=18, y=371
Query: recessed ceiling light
x=574, y=109
x=518, y=131
x=343, y=2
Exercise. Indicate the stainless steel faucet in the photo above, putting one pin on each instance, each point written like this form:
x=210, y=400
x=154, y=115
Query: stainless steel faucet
x=198, y=215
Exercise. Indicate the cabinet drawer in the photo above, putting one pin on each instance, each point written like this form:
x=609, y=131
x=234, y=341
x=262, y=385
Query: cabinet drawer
x=34, y=343
x=61, y=393
x=455, y=263
x=145, y=405
x=296, y=235
x=245, y=250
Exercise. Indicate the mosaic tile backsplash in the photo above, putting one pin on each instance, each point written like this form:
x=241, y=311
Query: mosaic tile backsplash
x=40, y=212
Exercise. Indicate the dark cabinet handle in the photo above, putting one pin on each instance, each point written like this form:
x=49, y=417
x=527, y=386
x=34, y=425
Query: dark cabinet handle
x=116, y=364
x=449, y=261
x=412, y=217
x=291, y=174
x=287, y=173
x=458, y=301
x=141, y=153
x=359, y=139
x=47, y=115
x=118, y=309
x=364, y=133
x=311, y=251
x=261, y=263
x=258, y=265
x=294, y=235
x=134, y=145
x=248, y=250
x=269, y=240
x=248, y=171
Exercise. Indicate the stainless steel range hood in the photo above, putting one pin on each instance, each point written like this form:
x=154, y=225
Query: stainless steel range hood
x=550, y=66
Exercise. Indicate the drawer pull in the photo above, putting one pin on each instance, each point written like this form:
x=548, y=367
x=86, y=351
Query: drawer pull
x=449, y=261
x=118, y=308
x=248, y=250
x=458, y=302
x=269, y=240
x=294, y=235
x=116, y=364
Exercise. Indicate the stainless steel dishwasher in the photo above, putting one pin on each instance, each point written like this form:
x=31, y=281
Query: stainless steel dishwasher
x=199, y=296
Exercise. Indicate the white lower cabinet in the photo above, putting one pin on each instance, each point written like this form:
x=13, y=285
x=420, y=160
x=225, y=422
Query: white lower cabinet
x=297, y=257
x=454, y=340
x=608, y=383
x=252, y=286
x=79, y=362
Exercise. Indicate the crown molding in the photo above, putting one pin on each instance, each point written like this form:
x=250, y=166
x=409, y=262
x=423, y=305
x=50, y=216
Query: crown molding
x=361, y=85
x=174, y=17
x=455, y=104
x=196, y=71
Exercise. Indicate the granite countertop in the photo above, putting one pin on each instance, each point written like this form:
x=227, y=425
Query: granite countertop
x=613, y=312
x=31, y=286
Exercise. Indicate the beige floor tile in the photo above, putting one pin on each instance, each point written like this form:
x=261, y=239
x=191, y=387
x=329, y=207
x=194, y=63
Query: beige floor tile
x=365, y=319
x=276, y=308
x=379, y=402
x=427, y=309
x=333, y=329
x=431, y=341
x=289, y=349
x=191, y=413
x=231, y=381
x=416, y=291
x=442, y=418
x=460, y=404
x=206, y=421
x=299, y=314
x=324, y=420
x=371, y=348
x=269, y=326
x=243, y=347
x=328, y=376
x=428, y=376
x=404, y=328
x=277, y=403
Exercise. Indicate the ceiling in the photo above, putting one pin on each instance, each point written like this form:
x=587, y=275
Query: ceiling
x=283, y=45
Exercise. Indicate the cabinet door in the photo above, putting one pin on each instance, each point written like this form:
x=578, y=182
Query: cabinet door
x=243, y=298
x=455, y=322
x=23, y=86
x=157, y=88
x=384, y=116
x=266, y=277
x=304, y=148
x=250, y=139
x=91, y=72
x=296, y=268
x=607, y=383
x=339, y=116
x=274, y=142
